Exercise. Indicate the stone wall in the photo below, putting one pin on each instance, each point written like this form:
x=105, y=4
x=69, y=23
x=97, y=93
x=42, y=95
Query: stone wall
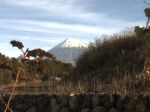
x=78, y=103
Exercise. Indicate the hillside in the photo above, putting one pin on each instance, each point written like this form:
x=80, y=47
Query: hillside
x=114, y=57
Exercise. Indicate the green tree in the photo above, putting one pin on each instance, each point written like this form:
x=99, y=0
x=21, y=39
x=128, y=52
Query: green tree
x=147, y=14
x=39, y=53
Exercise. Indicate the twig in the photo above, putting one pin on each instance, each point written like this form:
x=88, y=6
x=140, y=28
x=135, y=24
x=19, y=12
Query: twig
x=5, y=104
x=14, y=86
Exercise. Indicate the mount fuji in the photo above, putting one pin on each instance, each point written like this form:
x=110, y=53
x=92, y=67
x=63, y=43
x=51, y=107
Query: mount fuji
x=69, y=50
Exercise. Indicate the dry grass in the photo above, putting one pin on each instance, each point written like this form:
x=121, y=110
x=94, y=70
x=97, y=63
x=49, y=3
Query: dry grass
x=126, y=86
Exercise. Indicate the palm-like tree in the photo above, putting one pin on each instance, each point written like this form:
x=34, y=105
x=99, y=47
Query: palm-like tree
x=147, y=14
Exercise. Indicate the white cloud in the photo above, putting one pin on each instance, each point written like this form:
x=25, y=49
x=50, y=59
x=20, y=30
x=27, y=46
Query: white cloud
x=68, y=19
x=56, y=27
x=65, y=10
x=45, y=4
x=41, y=26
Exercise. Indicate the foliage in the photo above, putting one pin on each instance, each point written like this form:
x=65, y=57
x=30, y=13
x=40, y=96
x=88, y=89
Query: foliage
x=5, y=69
x=112, y=57
x=34, y=69
x=43, y=64
x=25, y=67
x=147, y=12
x=115, y=55
x=144, y=35
x=40, y=53
x=17, y=44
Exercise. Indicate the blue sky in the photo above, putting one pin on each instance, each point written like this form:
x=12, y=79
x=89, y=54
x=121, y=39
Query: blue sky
x=45, y=23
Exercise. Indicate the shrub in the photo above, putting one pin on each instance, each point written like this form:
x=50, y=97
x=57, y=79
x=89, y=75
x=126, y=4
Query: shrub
x=111, y=57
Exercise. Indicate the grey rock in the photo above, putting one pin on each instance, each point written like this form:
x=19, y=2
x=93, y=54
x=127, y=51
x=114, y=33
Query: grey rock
x=29, y=100
x=120, y=103
x=57, y=108
x=96, y=100
x=114, y=110
x=87, y=101
x=74, y=99
x=115, y=98
x=21, y=107
x=99, y=109
x=53, y=102
x=42, y=103
x=86, y=110
x=64, y=100
x=74, y=103
x=74, y=106
x=32, y=109
x=65, y=110
x=105, y=100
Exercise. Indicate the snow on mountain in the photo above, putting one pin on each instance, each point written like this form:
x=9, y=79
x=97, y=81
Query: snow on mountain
x=69, y=50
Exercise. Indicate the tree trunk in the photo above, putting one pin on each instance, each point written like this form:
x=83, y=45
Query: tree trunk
x=147, y=23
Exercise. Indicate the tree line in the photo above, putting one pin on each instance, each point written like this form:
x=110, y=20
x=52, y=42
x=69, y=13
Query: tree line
x=41, y=67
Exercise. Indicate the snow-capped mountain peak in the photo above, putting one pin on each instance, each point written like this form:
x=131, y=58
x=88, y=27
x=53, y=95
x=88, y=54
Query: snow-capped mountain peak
x=69, y=50
x=72, y=43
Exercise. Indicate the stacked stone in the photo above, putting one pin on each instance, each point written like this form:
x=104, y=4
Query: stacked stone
x=78, y=103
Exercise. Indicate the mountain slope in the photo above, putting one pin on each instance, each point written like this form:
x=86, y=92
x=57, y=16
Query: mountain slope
x=69, y=50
